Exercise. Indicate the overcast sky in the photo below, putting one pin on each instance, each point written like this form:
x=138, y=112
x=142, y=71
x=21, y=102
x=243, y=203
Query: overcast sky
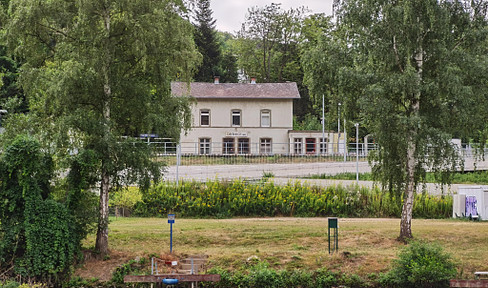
x=230, y=14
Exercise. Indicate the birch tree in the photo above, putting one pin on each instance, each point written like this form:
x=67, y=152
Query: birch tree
x=97, y=73
x=423, y=63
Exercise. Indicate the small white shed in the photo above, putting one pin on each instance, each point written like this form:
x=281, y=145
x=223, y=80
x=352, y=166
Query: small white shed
x=471, y=201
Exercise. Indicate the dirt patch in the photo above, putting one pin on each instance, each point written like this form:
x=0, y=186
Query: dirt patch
x=102, y=269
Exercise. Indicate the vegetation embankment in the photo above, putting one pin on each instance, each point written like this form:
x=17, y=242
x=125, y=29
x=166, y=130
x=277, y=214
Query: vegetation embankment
x=241, y=199
x=475, y=177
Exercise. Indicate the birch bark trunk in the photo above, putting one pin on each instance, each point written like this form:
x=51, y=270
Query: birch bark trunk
x=101, y=244
x=407, y=209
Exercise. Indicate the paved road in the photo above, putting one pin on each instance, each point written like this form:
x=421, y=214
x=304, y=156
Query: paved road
x=283, y=173
x=293, y=170
x=255, y=171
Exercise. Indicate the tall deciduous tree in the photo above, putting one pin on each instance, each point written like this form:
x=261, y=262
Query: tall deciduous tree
x=420, y=59
x=268, y=41
x=96, y=72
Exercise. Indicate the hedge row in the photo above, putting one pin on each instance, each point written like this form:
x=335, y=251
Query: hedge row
x=239, y=198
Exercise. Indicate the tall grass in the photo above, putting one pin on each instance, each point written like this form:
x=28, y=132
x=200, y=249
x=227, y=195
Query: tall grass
x=239, y=198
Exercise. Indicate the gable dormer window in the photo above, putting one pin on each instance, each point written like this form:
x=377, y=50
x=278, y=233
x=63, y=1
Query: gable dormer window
x=205, y=117
x=236, y=118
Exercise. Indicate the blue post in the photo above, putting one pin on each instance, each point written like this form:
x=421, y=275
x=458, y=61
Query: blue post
x=171, y=238
x=171, y=220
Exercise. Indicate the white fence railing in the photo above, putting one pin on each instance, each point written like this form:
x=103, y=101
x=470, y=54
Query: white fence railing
x=209, y=153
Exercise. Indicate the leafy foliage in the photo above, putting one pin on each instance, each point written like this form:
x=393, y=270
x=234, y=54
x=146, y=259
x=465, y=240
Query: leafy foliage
x=421, y=264
x=125, y=199
x=218, y=199
x=39, y=236
x=97, y=74
x=260, y=274
x=409, y=68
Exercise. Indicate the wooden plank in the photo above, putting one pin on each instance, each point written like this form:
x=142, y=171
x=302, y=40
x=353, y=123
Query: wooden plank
x=469, y=283
x=180, y=277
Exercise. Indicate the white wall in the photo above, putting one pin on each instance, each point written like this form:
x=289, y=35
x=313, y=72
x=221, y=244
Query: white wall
x=221, y=123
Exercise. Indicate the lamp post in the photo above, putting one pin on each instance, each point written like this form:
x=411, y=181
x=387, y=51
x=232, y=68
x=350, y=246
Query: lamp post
x=357, y=153
x=339, y=127
x=322, y=146
x=345, y=136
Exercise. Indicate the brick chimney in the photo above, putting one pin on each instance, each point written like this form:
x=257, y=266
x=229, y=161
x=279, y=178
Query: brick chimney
x=216, y=79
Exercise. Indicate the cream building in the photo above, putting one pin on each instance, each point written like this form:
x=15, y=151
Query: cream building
x=244, y=118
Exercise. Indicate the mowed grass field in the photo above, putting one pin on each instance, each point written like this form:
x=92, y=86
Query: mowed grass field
x=365, y=245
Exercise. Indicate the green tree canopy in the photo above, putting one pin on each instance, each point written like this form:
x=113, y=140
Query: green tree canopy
x=97, y=73
x=207, y=43
x=416, y=69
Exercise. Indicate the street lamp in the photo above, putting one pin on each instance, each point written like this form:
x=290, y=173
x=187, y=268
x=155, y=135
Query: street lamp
x=357, y=153
x=339, y=127
x=322, y=146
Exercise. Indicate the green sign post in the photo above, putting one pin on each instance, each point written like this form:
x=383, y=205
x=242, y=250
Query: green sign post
x=334, y=236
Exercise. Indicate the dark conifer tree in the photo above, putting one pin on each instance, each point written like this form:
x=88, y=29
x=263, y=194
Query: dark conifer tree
x=207, y=43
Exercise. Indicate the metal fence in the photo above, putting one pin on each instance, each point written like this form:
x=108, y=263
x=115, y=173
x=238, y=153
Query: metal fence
x=220, y=153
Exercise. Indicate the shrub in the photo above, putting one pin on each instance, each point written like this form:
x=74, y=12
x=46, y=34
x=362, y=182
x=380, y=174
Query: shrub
x=420, y=264
x=239, y=198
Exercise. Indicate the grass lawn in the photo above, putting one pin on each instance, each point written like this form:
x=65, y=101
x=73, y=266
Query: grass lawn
x=288, y=243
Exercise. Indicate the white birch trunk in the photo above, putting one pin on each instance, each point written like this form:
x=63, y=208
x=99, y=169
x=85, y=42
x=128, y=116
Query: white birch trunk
x=101, y=244
x=407, y=209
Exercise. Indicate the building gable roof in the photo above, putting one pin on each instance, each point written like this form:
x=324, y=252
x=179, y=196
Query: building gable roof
x=201, y=90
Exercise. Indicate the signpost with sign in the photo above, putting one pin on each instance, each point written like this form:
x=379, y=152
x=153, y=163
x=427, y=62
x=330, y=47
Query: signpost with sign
x=171, y=220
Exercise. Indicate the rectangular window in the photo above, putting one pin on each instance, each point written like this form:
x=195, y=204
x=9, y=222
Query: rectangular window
x=243, y=146
x=310, y=145
x=204, y=117
x=205, y=146
x=323, y=145
x=265, y=146
x=236, y=118
x=265, y=118
x=297, y=145
x=228, y=146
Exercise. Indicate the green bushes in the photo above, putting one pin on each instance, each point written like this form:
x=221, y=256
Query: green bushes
x=420, y=264
x=260, y=275
x=238, y=198
x=39, y=236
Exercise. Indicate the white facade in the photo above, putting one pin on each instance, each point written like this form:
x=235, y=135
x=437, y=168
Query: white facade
x=216, y=121
x=248, y=119
x=237, y=118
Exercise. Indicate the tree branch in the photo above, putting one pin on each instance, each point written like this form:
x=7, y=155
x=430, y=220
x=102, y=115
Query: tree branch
x=57, y=31
x=397, y=57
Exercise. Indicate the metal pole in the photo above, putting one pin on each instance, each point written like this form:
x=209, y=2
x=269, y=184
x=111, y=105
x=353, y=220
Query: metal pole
x=345, y=148
x=178, y=159
x=357, y=153
x=171, y=238
x=323, y=125
x=339, y=128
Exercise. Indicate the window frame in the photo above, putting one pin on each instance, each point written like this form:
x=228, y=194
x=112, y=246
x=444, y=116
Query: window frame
x=298, y=146
x=226, y=149
x=234, y=113
x=202, y=111
x=266, y=145
x=205, y=146
x=323, y=145
x=243, y=146
x=262, y=116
